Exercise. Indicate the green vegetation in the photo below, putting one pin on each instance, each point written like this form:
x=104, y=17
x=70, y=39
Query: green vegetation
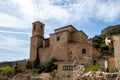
x=50, y=66
x=39, y=68
x=99, y=43
x=29, y=65
x=7, y=70
x=19, y=70
x=93, y=68
x=112, y=70
x=35, y=72
x=99, y=68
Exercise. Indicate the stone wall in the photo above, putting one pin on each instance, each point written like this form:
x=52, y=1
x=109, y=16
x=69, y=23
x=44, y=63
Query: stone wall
x=79, y=37
x=116, y=42
x=95, y=52
x=111, y=62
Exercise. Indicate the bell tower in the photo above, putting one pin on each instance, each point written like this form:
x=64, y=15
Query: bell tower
x=36, y=39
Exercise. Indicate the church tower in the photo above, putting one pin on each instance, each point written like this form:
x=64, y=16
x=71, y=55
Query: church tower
x=36, y=39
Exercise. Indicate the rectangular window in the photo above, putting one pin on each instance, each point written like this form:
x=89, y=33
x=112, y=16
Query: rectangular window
x=67, y=68
x=58, y=38
x=34, y=27
x=83, y=51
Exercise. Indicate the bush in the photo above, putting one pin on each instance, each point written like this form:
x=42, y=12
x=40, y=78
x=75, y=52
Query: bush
x=112, y=70
x=29, y=65
x=50, y=66
x=7, y=70
x=35, y=72
x=93, y=68
x=19, y=70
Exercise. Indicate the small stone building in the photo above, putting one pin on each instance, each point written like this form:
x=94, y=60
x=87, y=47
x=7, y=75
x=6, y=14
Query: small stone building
x=64, y=71
x=66, y=44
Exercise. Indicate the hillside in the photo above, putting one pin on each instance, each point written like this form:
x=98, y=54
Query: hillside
x=6, y=63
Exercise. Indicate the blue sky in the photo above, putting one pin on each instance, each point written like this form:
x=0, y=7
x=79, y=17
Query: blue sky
x=16, y=17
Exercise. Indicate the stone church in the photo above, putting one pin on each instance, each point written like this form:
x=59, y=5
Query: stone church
x=66, y=44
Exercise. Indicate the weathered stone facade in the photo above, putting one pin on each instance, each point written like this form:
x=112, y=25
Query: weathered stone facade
x=116, y=42
x=67, y=43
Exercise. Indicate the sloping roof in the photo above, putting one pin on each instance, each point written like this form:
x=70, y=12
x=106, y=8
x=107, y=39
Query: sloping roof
x=66, y=27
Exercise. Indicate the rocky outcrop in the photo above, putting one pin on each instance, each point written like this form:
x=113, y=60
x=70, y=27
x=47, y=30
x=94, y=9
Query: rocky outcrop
x=43, y=76
x=21, y=77
x=100, y=76
x=78, y=69
x=79, y=73
x=4, y=78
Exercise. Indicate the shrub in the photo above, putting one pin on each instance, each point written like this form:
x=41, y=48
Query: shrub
x=50, y=66
x=7, y=70
x=29, y=65
x=93, y=68
x=35, y=72
x=112, y=70
x=19, y=70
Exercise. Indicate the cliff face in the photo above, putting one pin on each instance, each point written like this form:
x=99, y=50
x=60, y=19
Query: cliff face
x=110, y=30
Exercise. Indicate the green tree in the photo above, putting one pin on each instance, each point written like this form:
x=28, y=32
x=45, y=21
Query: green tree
x=99, y=43
x=98, y=40
x=50, y=66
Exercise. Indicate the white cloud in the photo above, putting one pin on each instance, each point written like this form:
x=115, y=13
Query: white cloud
x=108, y=11
x=59, y=11
x=78, y=10
x=26, y=7
x=62, y=11
x=13, y=32
x=10, y=21
x=13, y=44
